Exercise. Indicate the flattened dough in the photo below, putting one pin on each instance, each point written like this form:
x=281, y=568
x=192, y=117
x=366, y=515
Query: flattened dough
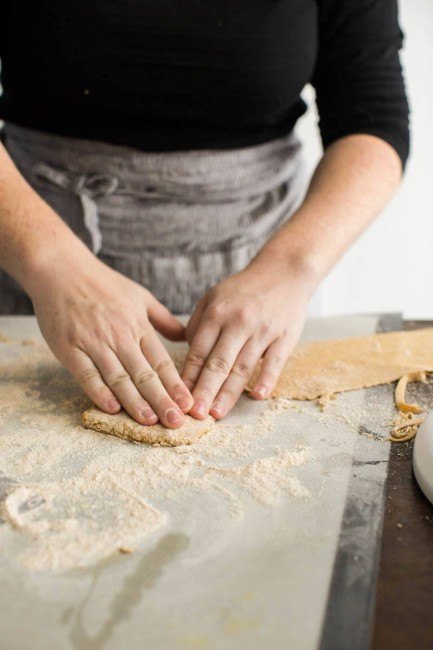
x=326, y=367
x=316, y=369
x=122, y=426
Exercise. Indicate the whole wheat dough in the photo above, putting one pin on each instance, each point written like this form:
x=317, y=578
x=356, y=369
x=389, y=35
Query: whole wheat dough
x=323, y=368
x=318, y=369
x=123, y=426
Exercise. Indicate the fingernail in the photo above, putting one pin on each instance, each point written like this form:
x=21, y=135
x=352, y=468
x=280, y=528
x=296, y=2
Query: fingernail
x=172, y=416
x=148, y=414
x=182, y=401
x=261, y=390
x=218, y=408
x=113, y=404
x=200, y=407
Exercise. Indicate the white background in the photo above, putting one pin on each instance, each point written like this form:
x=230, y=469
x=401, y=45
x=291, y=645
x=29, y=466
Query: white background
x=391, y=267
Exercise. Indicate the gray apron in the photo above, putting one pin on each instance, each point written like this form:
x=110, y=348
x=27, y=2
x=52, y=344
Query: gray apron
x=176, y=223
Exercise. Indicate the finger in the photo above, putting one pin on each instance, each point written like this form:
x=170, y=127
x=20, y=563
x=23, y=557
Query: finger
x=146, y=381
x=164, y=321
x=89, y=378
x=201, y=345
x=274, y=360
x=117, y=378
x=216, y=370
x=160, y=360
x=238, y=378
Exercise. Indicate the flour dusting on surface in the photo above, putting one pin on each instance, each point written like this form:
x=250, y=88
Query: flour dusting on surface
x=74, y=496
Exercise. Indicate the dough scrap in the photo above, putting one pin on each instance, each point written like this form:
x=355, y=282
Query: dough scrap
x=405, y=427
x=400, y=392
x=123, y=426
x=325, y=367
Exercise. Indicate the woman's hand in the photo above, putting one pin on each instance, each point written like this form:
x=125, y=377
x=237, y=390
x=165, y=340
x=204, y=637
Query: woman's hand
x=260, y=311
x=257, y=313
x=100, y=325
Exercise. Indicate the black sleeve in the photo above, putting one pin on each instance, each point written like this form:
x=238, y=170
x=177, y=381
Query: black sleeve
x=358, y=77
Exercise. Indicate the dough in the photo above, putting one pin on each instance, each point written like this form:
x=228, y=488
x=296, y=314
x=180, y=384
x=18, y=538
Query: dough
x=123, y=426
x=400, y=392
x=315, y=370
x=326, y=367
x=405, y=427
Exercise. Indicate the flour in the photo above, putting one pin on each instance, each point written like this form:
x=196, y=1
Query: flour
x=76, y=496
x=70, y=521
x=267, y=478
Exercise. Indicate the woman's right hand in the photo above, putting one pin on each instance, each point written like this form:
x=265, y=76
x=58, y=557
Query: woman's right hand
x=101, y=326
x=98, y=323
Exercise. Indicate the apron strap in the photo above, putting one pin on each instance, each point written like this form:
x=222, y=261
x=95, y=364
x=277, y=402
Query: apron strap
x=87, y=187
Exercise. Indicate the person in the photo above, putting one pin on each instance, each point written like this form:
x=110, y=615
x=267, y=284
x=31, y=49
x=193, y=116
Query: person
x=150, y=168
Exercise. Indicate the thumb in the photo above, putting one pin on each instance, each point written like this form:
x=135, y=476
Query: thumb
x=164, y=322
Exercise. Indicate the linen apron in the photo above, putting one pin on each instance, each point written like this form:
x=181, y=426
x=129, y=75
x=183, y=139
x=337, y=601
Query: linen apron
x=176, y=223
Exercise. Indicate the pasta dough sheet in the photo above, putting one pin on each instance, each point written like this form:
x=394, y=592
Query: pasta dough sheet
x=322, y=368
x=315, y=369
x=123, y=426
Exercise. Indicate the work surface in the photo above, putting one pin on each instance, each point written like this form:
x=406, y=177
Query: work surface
x=229, y=566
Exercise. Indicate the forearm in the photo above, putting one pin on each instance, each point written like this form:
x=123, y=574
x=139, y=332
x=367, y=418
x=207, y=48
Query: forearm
x=32, y=235
x=353, y=182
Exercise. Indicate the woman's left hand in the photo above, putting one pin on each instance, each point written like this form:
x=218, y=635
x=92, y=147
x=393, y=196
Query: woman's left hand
x=256, y=313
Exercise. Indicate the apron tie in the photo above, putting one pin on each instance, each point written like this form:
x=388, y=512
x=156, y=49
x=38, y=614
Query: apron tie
x=88, y=187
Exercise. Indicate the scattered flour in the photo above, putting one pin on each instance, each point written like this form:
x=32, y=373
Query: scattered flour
x=70, y=521
x=76, y=496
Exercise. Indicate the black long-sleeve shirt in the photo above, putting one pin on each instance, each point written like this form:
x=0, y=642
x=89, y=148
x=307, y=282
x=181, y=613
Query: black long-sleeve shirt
x=164, y=75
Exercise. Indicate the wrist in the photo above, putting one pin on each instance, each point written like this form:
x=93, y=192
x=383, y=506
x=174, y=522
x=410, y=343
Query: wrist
x=33, y=238
x=64, y=256
x=288, y=263
x=34, y=241
x=51, y=249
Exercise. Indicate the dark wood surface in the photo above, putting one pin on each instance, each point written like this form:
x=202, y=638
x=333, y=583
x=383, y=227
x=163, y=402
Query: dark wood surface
x=404, y=609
